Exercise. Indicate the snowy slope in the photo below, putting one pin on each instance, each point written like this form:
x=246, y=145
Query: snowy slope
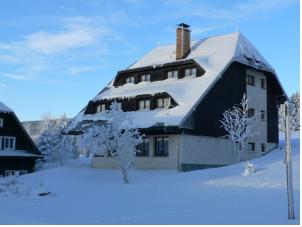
x=81, y=195
x=214, y=54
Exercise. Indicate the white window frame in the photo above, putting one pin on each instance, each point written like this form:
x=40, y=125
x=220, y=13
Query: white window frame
x=130, y=80
x=163, y=102
x=11, y=141
x=145, y=77
x=144, y=104
x=172, y=74
x=101, y=108
x=1, y=122
x=190, y=72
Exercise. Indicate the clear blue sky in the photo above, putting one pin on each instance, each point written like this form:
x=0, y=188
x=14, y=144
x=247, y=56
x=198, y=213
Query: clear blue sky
x=57, y=55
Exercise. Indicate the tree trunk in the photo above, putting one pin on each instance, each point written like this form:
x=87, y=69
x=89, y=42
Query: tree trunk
x=125, y=176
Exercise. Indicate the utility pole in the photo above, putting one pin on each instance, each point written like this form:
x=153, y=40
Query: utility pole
x=288, y=160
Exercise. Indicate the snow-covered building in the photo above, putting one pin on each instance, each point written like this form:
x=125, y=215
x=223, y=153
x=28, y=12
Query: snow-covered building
x=18, y=153
x=177, y=94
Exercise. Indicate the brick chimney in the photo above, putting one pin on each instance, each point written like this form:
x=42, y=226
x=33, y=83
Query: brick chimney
x=182, y=41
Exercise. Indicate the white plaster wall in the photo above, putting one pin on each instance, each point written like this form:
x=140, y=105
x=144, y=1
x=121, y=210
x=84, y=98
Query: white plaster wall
x=151, y=162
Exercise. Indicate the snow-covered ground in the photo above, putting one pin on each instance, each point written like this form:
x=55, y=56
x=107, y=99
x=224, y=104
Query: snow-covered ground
x=81, y=195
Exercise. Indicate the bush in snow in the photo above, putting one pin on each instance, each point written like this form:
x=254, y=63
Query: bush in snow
x=249, y=169
x=117, y=137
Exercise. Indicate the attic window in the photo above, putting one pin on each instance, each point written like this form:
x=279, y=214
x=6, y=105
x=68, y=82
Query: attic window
x=101, y=108
x=190, y=72
x=163, y=103
x=9, y=143
x=144, y=104
x=1, y=122
x=129, y=80
x=145, y=77
x=172, y=74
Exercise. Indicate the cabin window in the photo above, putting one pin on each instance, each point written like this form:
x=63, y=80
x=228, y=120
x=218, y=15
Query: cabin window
x=145, y=77
x=250, y=80
x=262, y=115
x=163, y=102
x=1, y=122
x=190, y=72
x=263, y=147
x=250, y=112
x=144, y=148
x=144, y=104
x=250, y=146
x=161, y=146
x=8, y=143
x=263, y=84
x=129, y=80
x=101, y=108
x=172, y=74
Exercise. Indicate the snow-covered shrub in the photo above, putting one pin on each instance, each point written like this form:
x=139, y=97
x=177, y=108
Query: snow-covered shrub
x=249, y=169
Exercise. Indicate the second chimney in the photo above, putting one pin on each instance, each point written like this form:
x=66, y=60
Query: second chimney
x=182, y=41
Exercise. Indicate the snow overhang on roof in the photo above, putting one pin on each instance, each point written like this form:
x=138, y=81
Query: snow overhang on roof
x=4, y=108
x=213, y=54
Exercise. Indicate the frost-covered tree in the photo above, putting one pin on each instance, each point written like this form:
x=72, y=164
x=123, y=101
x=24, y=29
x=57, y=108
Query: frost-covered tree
x=116, y=137
x=294, y=114
x=239, y=126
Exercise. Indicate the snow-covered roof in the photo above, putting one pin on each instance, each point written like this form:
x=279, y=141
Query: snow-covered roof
x=4, y=108
x=213, y=54
x=19, y=153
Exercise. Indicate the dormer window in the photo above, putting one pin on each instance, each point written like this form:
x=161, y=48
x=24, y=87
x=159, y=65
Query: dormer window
x=1, y=122
x=101, y=108
x=191, y=72
x=144, y=104
x=129, y=80
x=9, y=143
x=145, y=77
x=172, y=74
x=163, y=103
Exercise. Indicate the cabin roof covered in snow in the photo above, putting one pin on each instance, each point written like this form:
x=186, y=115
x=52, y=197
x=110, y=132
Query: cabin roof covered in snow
x=4, y=108
x=213, y=54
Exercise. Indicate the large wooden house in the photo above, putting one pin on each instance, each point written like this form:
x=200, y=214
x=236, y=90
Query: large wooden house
x=177, y=94
x=18, y=153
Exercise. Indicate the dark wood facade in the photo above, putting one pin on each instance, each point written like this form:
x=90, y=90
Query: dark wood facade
x=27, y=150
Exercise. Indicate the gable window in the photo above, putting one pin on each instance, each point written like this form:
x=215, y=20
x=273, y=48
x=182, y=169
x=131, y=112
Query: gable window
x=1, y=122
x=101, y=108
x=129, y=80
x=250, y=112
x=144, y=104
x=145, y=77
x=263, y=84
x=250, y=146
x=163, y=102
x=190, y=72
x=172, y=74
x=144, y=148
x=161, y=147
x=262, y=115
x=250, y=80
x=8, y=143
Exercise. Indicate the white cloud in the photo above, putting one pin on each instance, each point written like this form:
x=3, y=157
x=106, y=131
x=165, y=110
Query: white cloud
x=2, y=85
x=78, y=70
x=16, y=76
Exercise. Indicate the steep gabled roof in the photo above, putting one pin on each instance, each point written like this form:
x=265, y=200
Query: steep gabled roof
x=213, y=54
x=4, y=108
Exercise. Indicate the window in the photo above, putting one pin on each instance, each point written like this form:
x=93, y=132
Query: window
x=263, y=84
x=250, y=146
x=1, y=122
x=130, y=80
x=262, y=115
x=145, y=77
x=172, y=74
x=144, y=148
x=250, y=112
x=8, y=143
x=144, y=104
x=190, y=72
x=161, y=146
x=250, y=80
x=263, y=147
x=101, y=108
x=163, y=102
